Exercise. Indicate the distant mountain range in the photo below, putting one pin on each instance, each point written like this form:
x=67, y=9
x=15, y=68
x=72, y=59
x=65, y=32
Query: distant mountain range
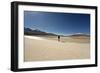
x=29, y=31
x=80, y=35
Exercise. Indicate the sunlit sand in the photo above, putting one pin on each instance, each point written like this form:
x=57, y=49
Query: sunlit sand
x=42, y=48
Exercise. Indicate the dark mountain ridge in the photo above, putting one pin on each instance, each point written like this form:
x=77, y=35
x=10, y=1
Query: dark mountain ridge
x=29, y=31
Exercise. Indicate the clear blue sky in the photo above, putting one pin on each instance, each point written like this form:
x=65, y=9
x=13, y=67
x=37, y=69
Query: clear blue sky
x=58, y=23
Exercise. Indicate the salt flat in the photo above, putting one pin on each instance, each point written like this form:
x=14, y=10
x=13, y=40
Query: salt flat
x=43, y=49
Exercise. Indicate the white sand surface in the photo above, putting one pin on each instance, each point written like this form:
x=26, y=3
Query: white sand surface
x=41, y=49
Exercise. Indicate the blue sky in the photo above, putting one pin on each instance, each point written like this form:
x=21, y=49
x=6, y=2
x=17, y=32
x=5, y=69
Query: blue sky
x=58, y=23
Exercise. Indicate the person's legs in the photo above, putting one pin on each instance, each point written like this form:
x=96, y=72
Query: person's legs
x=58, y=39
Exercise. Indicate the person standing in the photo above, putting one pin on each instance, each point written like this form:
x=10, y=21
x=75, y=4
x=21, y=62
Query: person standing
x=59, y=38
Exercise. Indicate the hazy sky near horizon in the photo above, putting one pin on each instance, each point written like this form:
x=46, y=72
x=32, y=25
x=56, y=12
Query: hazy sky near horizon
x=58, y=23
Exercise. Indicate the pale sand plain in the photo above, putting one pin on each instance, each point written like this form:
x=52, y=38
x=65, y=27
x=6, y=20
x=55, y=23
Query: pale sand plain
x=40, y=48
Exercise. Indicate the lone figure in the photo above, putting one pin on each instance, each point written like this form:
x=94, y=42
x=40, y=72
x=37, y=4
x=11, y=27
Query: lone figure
x=58, y=38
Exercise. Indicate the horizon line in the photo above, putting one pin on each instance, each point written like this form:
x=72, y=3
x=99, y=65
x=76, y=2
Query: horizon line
x=57, y=33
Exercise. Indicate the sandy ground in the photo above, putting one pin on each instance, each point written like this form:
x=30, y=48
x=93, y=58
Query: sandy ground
x=42, y=49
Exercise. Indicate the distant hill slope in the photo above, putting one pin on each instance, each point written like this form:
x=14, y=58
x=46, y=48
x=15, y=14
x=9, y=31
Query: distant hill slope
x=79, y=35
x=28, y=31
